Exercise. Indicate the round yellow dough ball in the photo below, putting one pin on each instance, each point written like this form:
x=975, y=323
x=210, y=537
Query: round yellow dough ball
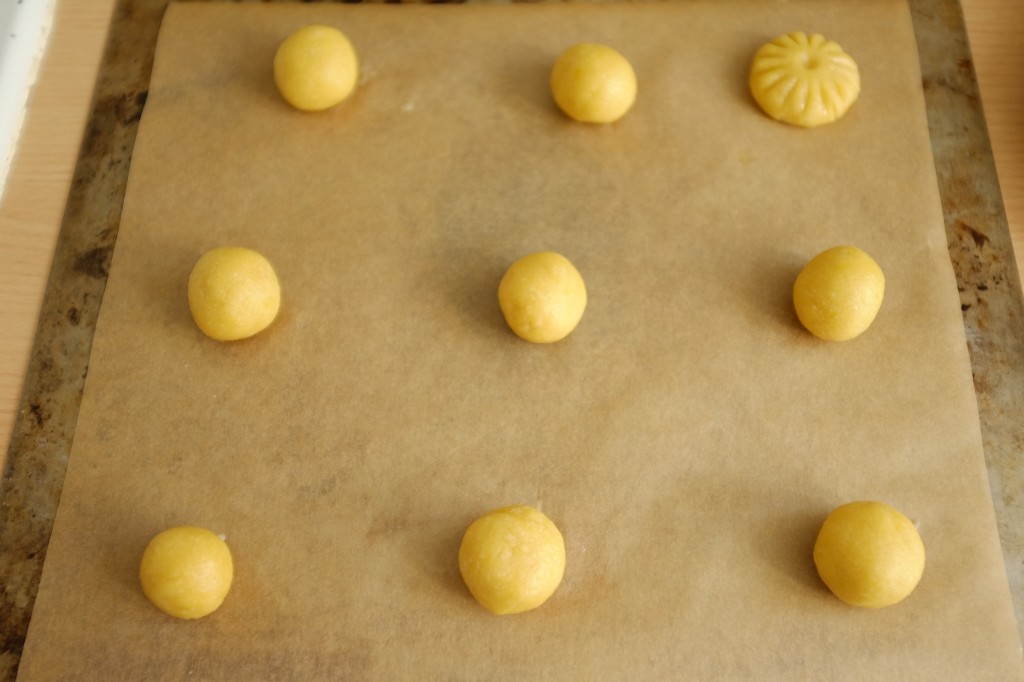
x=869, y=554
x=315, y=68
x=804, y=80
x=512, y=559
x=186, y=572
x=233, y=293
x=838, y=293
x=542, y=297
x=593, y=83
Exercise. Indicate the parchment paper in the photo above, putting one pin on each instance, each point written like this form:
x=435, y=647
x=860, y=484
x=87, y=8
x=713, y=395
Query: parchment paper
x=688, y=438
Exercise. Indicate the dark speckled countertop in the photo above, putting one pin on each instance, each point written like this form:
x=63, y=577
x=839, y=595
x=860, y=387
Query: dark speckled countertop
x=977, y=234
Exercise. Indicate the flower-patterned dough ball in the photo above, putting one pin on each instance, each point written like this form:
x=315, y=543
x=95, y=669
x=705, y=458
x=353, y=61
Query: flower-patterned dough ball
x=804, y=80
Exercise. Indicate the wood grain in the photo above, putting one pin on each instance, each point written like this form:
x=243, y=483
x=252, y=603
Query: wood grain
x=33, y=201
x=32, y=204
x=995, y=28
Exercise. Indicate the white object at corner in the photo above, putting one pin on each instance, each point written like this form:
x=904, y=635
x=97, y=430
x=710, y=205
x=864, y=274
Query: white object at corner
x=24, y=29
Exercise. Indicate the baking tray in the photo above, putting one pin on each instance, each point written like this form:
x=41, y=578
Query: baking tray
x=977, y=235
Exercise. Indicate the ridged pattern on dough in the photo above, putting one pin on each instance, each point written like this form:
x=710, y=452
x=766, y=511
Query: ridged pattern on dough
x=804, y=80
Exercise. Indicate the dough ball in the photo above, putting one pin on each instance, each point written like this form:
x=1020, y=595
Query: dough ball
x=869, y=554
x=233, y=293
x=315, y=68
x=186, y=572
x=512, y=559
x=543, y=297
x=593, y=83
x=838, y=293
x=806, y=81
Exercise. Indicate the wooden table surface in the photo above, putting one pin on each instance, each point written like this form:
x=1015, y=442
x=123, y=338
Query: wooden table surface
x=32, y=204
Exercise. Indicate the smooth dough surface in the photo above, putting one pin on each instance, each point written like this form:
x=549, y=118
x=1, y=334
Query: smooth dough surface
x=186, y=571
x=869, y=554
x=316, y=68
x=542, y=297
x=512, y=559
x=233, y=293
x=838, y=293
x=593, y=83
